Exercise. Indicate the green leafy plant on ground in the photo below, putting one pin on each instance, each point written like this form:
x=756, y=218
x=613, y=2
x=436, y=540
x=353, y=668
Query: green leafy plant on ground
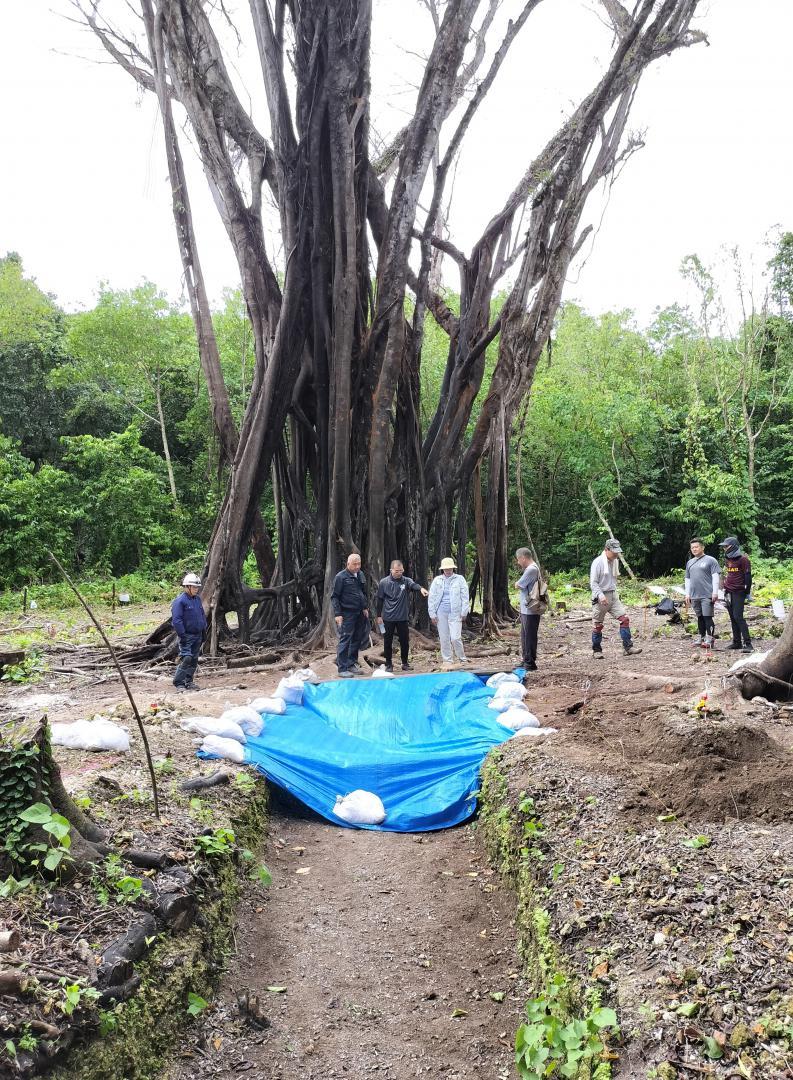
x=26, y=670
x=548, y=1046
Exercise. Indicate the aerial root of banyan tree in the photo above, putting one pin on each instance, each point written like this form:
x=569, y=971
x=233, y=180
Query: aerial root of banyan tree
x=773, y=678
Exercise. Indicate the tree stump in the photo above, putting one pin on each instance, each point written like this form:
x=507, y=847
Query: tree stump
x=29, y=774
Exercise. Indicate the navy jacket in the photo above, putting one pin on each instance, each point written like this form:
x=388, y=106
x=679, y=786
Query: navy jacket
x=392, y=598
x=187, y=615
x=349, y=593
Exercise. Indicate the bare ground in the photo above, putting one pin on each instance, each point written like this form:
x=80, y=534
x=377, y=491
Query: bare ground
x=386, y=936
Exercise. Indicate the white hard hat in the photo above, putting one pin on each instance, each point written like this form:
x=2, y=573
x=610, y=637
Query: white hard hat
x=191, y=579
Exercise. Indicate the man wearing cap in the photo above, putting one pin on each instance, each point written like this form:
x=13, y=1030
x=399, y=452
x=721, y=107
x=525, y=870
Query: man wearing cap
x=603, y=583
x=392, y=607
x=448, y=605
x=737, y=581
x=190, y=623
x=351, y=612
x=702, y=589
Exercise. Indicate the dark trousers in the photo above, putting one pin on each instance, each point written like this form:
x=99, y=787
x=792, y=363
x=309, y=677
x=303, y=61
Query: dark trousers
x=740, y=631
x=189, y=649
x=352, y=634
x=529, y=628
x=403, y=634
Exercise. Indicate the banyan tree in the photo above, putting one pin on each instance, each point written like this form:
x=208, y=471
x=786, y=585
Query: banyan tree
x=335, y=430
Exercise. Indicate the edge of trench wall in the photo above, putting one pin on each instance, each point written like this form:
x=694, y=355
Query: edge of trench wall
x=148, y=1025
x=500, y=824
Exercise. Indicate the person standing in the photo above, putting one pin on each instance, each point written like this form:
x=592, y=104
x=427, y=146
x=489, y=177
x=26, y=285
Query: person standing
x=702, y=589
x=190, y=623
x=351, y=610
x=448, y=605
x=737, y=581
x=528, y=586
x=392, y=606
x=605, y=599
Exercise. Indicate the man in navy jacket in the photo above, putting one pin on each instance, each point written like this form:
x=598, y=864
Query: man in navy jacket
x=351, y=612
x=190, y=623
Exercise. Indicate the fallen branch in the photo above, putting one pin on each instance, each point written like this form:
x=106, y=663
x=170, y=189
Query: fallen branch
x=200, y=782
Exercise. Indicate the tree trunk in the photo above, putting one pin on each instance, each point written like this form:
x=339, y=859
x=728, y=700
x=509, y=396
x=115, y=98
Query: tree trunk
x=335, y=399
x=773, y=679
x=30, y=775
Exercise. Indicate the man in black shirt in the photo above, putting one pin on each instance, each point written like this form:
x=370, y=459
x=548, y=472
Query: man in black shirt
x=392, y=607
x=351, y=611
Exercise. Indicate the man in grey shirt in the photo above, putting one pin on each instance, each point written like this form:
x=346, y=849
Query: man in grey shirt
x=530, y=612
x=702, y=589
x=606, y=601
x=392, y=608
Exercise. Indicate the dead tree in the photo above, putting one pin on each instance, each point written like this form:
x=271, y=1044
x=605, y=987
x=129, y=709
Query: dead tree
x=333, y=421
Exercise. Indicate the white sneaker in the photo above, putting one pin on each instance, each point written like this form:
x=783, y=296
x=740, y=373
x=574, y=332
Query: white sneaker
x=697, y=642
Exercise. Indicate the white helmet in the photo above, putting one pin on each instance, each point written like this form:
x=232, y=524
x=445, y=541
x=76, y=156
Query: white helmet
x=192, y=579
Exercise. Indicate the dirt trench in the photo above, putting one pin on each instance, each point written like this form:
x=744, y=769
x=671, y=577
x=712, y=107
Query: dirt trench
x=377, y=940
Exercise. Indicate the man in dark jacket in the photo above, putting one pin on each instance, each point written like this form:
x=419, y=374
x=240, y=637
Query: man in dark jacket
x=737, y=581
x=351, y=611
x=190, y=623
x=392, y=607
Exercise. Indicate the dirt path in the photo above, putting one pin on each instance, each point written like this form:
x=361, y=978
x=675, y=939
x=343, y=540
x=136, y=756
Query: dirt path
x=380, y=939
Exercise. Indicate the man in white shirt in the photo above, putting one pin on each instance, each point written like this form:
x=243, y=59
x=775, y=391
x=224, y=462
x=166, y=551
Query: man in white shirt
x=605, y=600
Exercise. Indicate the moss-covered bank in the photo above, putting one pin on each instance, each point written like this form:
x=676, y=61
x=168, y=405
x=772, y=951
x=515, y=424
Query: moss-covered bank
x=512, y=833
x=143, y=1029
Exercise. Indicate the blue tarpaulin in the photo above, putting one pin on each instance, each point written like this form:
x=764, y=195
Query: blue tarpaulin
x=417, y=742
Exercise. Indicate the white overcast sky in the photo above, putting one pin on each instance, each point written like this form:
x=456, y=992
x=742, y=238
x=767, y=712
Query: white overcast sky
x=84, y=195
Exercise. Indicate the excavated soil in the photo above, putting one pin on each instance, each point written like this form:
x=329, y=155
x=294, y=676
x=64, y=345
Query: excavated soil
x=388, y=948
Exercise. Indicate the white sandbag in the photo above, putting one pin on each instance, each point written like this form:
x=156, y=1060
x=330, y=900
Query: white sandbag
x=229, y=749
x=273, y=705
x=360, y=808
x=305, y=674
x=247, y=717
x=533, y=731
x=291, y=690
x=500, y=704
x=518, y=718
x=381, y=673
x=511, y=691
x=502, y=677
x=752, y=659
x=212, y=725
x=98, y=733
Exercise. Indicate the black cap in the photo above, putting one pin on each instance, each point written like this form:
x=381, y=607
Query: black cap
x=729, y=542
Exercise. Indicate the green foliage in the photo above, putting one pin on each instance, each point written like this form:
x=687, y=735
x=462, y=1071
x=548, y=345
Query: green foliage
x=56, y=851
x=196, y=1004
x=217, y=844
x=28, y=670
x=550, y=1046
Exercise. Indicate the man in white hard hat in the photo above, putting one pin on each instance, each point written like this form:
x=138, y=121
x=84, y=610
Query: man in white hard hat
x=448, y=604
x=190, y=623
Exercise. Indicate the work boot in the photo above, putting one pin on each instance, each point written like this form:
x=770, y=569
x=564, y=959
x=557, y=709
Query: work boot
x=530, y=667
x=631, y=650
x=388, y=667
x=407, y=667
x=735, y=647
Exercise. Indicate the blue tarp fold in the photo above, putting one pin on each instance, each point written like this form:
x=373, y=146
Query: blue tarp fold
x=417, y=742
